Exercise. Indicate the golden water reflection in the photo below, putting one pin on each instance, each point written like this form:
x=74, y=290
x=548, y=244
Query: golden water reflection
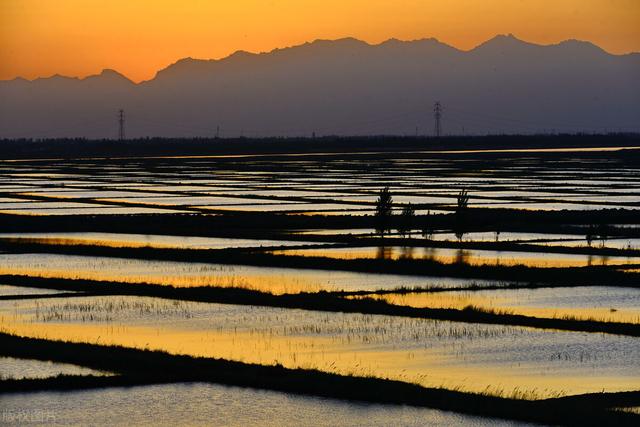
x=117, y=240
x=185, y=274
x=501, y=359
x=586, y=303
x=463, y=256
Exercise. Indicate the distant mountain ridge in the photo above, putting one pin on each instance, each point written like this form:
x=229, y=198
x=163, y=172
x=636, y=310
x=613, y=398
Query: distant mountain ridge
x=343, y=87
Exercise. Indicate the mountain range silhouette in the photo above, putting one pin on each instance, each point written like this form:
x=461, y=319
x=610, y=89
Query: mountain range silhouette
x=343, y=87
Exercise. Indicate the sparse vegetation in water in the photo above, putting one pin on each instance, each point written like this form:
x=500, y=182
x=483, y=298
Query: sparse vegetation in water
x=109, y=309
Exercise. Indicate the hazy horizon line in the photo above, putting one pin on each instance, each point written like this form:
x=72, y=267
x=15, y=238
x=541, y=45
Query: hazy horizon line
x=276, y=49
x=406, y=136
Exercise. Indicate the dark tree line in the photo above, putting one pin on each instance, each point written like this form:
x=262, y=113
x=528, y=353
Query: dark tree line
x=405, y=221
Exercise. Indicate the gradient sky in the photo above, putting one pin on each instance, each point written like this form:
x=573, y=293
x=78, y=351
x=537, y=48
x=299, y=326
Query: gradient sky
x=138, y=37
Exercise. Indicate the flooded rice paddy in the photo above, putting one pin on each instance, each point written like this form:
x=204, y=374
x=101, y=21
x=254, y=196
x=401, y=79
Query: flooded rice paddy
x=311, y=185
x=321, y=205
x=10, y=291
x=12, y=368
x=606, y=304
x=190, y=274
x=464, y=256
x=124, y=240
x=202, y=404
x=501, y=359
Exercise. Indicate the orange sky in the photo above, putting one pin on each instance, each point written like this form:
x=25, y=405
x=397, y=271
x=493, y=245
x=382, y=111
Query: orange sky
x=139, y=37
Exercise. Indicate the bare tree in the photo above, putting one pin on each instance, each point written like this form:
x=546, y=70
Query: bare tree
x=461, y=214
x=463, y=202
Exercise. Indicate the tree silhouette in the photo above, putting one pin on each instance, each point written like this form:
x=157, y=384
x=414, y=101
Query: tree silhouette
x=463, y=202
x=427, y=228
x=405, y=224
x=384, y=206
x=603, y=233
x=591, y=235
x=460, y=223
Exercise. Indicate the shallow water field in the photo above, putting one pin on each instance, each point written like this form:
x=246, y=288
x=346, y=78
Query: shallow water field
x=122, y=240
x=500, y=359
x=98, y=210
x=12, y=368
x=185, y=274
x=10, y=291
x=311, y=184
x=321, y=205
x=464, y=256
x=201, y=404
x=623, y=243
x=606, y=304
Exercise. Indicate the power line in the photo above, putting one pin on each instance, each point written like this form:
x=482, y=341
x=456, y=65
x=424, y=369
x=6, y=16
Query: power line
x=121, y=124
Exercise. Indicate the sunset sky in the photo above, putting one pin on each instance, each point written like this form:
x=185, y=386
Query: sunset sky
x=81, y=37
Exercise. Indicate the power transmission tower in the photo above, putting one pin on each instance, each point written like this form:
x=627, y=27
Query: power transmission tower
x=217, y=131
x=437, y=115
x=121, y=125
